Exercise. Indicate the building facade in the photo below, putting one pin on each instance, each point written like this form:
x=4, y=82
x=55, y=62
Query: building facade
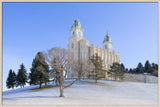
x=79, y=47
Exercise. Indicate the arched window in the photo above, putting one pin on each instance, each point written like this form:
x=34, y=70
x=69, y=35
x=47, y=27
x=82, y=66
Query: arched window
x=107, y=38
x=72, y=45
x=73, y=33
x=105, y=46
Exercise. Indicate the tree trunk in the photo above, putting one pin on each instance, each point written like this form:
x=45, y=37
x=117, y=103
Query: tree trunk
x=40, y=84
x=56, y=81
x=61, y=91
x=61, y=84
x=116, y=77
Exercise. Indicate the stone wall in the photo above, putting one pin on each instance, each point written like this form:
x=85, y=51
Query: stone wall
x=140, y=78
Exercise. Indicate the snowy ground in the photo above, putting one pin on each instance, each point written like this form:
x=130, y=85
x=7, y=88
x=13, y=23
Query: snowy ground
x=86, y=92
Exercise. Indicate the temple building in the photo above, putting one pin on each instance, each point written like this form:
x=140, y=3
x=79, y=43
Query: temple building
x=79, y=47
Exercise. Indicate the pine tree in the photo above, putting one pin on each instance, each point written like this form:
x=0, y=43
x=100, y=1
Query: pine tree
x=134, y=70
x=140, y=68
x=99, y=72
x=11, y=80
x=33, y=76
x=130, y=70
x=155, y=69
x=148, y=68
x=22, y=76
x=123, y=67
x=14, y=78
x=39, y=70
x=126, y=70
x=117, y=70
x=155, y=66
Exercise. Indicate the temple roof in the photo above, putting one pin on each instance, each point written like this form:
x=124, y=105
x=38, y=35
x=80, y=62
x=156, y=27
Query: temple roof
x=107, y=38
x=76, y=23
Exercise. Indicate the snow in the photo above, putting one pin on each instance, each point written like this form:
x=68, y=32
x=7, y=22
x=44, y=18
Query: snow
x=86, y=92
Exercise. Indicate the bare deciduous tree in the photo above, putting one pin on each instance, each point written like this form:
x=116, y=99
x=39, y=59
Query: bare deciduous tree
x=62, y=62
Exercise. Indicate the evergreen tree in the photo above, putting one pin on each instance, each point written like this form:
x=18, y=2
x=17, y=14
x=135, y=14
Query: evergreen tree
x=148, y=68
x=117, y=71
x=126, y=70
x=123, y=67
x=155, y=66
x=140, y=68
x=22, y=76
x=11, y=80
x=33, y=76
x=14, y=78
x=134, y=70
x=39, y=70
x=155, y=69
x=99, y=72
x=130, y=70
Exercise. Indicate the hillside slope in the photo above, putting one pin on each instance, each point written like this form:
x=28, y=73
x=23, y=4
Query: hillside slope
x=86, y=92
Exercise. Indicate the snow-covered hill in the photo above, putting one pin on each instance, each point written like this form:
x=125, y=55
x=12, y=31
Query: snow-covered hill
x=86, y=92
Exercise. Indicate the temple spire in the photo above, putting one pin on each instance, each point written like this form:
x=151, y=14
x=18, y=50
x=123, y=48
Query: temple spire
x=107, y=43
x=76, y=30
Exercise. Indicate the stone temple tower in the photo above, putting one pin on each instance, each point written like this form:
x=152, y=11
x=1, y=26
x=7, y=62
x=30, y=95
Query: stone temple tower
x=107, y=43
x=76, y=34
x=76, y=30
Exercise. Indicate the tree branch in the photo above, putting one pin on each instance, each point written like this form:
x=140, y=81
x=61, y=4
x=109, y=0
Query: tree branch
x=72, y=83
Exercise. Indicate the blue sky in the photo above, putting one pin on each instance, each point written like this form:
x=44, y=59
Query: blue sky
x=32, y=27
